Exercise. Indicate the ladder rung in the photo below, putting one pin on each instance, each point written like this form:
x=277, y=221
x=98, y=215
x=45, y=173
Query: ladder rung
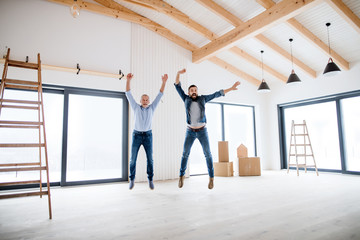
x=301, y=165
x=19, y=183
x=20, y=87
x=20, y=107
x=22, y=145
x=22, y=169
x=302, y=155
x=298, y=134
x=19, y=101
x=302, y=144
x=27, y=194
x=13, y=63
x=24, y=82
x=19, y=164
x=299, y=124
x=18, y=126
x=21, y=123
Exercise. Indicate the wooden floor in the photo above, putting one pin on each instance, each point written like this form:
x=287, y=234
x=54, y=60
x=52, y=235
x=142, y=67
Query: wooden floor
x=274, y=206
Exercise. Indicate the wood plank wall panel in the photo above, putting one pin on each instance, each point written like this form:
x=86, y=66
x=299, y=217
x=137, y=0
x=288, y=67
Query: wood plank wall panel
x=151, y=57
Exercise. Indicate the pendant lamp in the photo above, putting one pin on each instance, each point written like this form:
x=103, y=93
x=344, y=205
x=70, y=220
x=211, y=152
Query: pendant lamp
x=331, y=68
x=293, y=78
x=263, y=87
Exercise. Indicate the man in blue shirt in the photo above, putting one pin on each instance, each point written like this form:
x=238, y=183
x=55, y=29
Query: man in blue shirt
x=142, y=134
x=196, y=124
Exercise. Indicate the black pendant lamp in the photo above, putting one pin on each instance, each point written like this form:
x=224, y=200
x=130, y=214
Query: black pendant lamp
x=293, y=78
x=263, y=87
x=331, y=68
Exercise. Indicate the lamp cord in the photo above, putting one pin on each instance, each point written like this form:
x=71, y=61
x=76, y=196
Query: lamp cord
x=262, y=65
x=328, y=41
x=292, y=62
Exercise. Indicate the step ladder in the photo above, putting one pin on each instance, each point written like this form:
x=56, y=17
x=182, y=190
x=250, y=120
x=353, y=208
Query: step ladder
x=300, y=148
x=36, y=128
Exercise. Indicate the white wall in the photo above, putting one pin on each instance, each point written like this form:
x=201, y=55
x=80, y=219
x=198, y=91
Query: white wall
x=96, y=42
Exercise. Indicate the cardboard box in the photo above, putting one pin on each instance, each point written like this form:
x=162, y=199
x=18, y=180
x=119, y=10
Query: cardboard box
x=249, y=166
x=242, y=151
x=223, y=169
x=223, y=147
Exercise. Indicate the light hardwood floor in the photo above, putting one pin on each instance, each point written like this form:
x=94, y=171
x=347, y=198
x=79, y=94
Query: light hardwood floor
x=274, y=206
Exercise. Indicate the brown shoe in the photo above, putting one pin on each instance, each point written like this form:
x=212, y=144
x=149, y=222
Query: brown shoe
x=181, y=181
x=211, y=183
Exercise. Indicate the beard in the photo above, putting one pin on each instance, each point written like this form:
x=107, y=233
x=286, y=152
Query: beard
x=194, y=96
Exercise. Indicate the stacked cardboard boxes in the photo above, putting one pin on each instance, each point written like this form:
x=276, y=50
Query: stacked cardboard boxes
x=223, y=168
x=248, y=166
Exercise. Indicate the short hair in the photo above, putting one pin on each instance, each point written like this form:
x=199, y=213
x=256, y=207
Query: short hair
x=192, y=86
x=144, y=95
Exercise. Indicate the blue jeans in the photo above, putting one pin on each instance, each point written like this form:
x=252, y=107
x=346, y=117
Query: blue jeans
x=145, y=139
x=203, y=137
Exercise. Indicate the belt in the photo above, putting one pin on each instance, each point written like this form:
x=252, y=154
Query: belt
x=139, y=132
x=196, y=129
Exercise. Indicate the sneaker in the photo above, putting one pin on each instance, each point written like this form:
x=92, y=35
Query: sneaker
x=151, y=185
x=181, y=181
x=211, y=183
x=132, y=184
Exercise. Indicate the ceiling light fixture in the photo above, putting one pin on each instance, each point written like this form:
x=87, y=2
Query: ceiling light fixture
x=293, y=78
x=331, y=68
x=263, y=87
x=75, y=9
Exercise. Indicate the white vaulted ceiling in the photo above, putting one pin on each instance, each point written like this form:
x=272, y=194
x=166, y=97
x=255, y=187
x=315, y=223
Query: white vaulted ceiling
x=310, y=58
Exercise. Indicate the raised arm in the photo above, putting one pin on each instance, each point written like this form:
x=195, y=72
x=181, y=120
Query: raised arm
x=177, y=80
x=128, y=79
x=178, y=84
x=234, y=87
x=164, y=78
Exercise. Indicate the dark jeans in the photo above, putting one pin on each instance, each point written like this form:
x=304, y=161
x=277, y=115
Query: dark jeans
x=145, y=139
x=203, y=137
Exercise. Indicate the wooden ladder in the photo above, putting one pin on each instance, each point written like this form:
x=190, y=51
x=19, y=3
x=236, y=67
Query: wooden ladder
x=302, y=148
x=24, y=105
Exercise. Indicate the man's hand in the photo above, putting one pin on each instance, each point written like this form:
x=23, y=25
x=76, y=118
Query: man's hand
x=182, y=71
x=234, y=87
x=177, y=80
x=164, y=78
x=129, y=76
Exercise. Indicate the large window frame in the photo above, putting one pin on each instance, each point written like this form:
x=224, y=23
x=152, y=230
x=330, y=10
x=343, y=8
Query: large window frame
x=66, y=91
x=330, y=98
x=223, y=134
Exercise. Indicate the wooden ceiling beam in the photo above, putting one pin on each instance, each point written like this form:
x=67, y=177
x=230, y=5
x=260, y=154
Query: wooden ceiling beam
x=170, y=10
x=241, y=53
x=176, y=14
x=346, y=13
x=236, y=22
x=280, y=12
x=309, y=35
x=234, y=70
x=221, y=12
x=115, y=10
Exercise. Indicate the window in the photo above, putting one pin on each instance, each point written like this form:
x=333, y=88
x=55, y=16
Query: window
x=351, y=120
x=322, y=129
x=225, y=122
x=94, y=138
x=84, y=131
x=333, y=128
x=53, y=105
